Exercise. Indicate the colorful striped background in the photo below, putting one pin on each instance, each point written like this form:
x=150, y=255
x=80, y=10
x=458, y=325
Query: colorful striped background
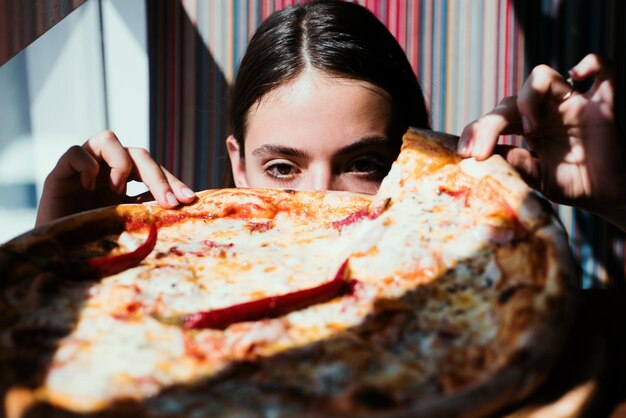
x=467, y=54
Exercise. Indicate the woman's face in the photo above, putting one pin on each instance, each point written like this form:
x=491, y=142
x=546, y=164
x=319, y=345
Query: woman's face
x=317, y=133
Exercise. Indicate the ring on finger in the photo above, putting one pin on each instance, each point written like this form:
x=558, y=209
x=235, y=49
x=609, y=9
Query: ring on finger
x=571, y=89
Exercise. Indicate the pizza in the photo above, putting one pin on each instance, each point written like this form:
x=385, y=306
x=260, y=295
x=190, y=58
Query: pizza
x=449, y=292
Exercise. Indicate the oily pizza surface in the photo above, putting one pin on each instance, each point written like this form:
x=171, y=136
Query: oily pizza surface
x=448, y=292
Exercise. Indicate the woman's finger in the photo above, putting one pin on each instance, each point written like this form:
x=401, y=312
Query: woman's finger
x=603, y=71
x=107, y=148
x=526, y=164
x=544, y=84
x=75, y=161
x=182, y=192
x=167, y=190
x=480, y=137
x=592, y=66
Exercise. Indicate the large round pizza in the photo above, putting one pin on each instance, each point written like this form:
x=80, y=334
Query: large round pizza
x=448, y=293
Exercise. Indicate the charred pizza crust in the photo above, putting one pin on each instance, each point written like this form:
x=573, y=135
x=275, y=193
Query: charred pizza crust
x=463, y=297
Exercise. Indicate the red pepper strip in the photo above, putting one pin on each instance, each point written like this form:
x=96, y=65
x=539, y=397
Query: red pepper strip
x=362, y=214
x=111, y=264
x=272, y=306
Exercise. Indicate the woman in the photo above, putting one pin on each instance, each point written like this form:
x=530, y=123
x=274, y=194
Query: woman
x=321, y=100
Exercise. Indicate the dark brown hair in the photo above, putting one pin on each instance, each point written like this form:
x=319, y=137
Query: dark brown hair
x=338, y=38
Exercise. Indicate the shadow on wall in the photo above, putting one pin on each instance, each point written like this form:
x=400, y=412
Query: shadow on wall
x=561, y=33
x=188, y=102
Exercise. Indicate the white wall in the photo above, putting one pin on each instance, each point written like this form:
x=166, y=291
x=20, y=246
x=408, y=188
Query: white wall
x=52, y=96
x=126, y=46
x=65, y=77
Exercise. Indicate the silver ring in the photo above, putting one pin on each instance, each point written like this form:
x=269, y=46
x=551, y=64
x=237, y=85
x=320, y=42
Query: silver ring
x=571, y=89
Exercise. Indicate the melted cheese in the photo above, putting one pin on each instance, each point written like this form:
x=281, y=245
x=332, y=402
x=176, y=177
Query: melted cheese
x=428, y=247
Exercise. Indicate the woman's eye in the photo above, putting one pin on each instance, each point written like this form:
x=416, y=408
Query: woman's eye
x=368, y=165
x=365, y=165
x=281, y=170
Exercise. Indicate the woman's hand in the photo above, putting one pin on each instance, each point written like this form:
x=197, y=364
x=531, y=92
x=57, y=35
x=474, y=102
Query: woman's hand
x=576, y=152
x=95, y=175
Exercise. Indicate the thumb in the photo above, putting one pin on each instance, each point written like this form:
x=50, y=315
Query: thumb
x=544, y=85
x=526, y=164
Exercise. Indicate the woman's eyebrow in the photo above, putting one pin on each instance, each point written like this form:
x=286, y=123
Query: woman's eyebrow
x=365, y=142
x=270, y=149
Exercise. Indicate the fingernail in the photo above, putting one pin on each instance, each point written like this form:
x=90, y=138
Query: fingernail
x=480, y=148
x=526, y=124
x=171, y=199
x=187, y=192
x=462, y=146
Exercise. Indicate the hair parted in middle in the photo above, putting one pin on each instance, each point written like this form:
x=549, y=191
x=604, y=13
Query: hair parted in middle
x=337, y=38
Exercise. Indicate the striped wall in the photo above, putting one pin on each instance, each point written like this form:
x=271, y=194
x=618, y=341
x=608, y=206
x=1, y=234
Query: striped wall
x=467, y=54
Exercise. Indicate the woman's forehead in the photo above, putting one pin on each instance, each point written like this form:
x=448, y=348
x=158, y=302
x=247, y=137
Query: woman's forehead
x=311, y=81
x=316, y=109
